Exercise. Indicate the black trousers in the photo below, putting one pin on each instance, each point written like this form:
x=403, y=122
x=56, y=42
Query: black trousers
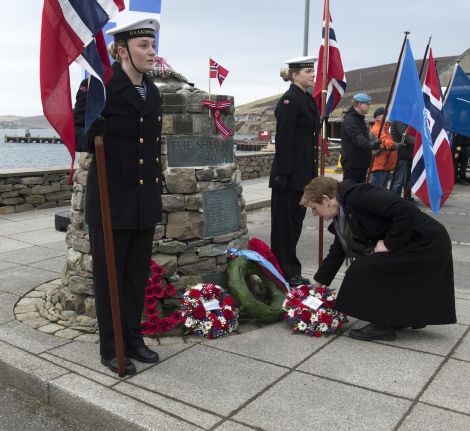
x=287, y=217
x=133, y=249
x=358, y=175
x=460, y=163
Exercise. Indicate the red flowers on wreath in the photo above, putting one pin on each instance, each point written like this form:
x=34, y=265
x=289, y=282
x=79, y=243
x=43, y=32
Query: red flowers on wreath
x=155, y=290
x=260, y=247
x=310, y=310
x=208, y=311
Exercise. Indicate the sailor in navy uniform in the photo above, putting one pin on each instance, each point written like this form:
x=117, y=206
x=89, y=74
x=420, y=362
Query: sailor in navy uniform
x=131, y=125
x=295, y=164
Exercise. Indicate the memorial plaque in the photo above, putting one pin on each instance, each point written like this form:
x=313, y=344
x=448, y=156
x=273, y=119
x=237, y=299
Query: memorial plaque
x=194, y=151
x=221, y=212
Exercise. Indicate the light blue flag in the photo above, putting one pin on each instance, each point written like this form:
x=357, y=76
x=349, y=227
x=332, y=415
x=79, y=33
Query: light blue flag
x=457, y=103
x=407, y=106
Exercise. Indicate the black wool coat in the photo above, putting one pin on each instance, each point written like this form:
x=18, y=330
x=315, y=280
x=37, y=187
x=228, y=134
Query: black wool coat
x=413, y=283
x=132, y=152
x=355, y=141
x=297, y=129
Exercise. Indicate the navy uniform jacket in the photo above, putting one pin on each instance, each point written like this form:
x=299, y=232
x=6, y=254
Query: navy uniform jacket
x=297, y=128
x=132, y=153
x=355, y=141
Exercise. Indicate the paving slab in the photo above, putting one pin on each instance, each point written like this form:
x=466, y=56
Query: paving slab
x=191, y=414
x=273, y=343
x=39, y=237
x=9, y=244
x=7, y=265
x=451, y=387
x=8, y=227
x=88, y=355
x=19, y=280
x=463, y=311
x=304, y=402
x=27, y=372
x=200, y=375
x=43, y=222
x=7, y=302
x=463, y=349
x=29, y=339
x=105, y=379
x=56, y=264
x=57, y=245
x=233, y=426
x=107, y=409
x=371, y=365
x=424, y=417
x=438, y=339
x=30, y=255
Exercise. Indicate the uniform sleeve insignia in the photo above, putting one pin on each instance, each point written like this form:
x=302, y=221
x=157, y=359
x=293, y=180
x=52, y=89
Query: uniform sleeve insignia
x=286, y=101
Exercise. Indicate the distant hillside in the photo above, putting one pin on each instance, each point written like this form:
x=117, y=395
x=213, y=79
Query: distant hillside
x=34, y=122
x=376, y=81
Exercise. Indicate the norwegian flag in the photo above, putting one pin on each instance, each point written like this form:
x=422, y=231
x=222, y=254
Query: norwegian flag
x=71, y=31
x=440, y=142
x=217, y=71
x=336, y=77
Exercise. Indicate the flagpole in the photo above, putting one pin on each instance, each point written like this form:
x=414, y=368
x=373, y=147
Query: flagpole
x=323, y=138
x=450, y=80
x=209, y=111
x=387, y=105
x=425, y=57
x=110, y=256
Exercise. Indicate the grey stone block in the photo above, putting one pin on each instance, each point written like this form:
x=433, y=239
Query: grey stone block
x=27, y=372
x=191, y=414
x=371, y=365
x=463, y=350
x=273, y=343
x=18, y=281
x=302, y=402
x=232, y=426
x=451, y=387
x=30, y=255
x=104, y=408
x=424, y=417
x=463, y=311
x=439, y=339
x=183, y=124
x=26, y=338
x=7, y=302
x=221, y=376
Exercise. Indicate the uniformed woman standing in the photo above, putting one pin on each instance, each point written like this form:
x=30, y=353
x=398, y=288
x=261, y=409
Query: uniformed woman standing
x=131, y=126
x=295, y=164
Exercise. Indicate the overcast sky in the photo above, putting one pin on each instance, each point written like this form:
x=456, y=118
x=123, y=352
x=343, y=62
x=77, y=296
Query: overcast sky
x=251, y=38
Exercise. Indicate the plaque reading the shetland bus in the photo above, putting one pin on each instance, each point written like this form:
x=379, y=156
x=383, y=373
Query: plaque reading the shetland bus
x=221, y=212
x=186, y=151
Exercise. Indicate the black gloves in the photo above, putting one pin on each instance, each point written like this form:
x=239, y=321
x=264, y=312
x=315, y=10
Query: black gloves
x=97, y=128
x=280, y=182
x=375, y=144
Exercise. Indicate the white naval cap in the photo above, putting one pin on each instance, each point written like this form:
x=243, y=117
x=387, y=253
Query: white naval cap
x=301, y=62
x=143, y=27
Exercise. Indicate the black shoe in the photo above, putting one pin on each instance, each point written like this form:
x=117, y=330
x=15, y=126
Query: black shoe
x=464, y=182
x=298, y=280
x=411, y=199
x=144, y=354
x=129, y=367
x=373, y=332
x=397, y=328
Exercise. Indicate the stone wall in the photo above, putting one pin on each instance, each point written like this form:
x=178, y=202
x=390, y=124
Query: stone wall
x=259, y=164
x=30, y=189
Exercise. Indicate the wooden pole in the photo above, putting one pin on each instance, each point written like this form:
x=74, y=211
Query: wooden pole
x=389, y=98
x=425, y=57
x=324, y=92
x=209, y=111
x=110, y=257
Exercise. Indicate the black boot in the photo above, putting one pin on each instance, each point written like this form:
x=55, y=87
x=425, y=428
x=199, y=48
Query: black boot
x=373, y=332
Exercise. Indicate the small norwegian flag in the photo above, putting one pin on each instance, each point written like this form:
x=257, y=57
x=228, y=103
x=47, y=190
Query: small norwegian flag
x=217, y=71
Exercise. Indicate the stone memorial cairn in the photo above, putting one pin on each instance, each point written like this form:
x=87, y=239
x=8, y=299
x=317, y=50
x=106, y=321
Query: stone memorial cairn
x=203, y=207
